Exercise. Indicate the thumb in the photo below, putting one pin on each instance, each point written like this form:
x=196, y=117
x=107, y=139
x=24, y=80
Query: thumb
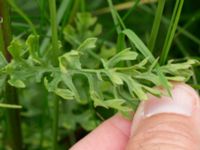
x=167, y=123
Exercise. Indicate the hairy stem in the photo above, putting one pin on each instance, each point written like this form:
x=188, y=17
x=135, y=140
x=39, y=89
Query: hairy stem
x=14, y=136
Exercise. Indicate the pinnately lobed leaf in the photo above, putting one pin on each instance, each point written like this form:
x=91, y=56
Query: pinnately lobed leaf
x=115, y=83
x=124, y=55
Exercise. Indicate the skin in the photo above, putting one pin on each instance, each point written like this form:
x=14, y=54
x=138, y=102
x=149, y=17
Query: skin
x=164, y=131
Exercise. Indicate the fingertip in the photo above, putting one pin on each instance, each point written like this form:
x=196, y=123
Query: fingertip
x=112, y=134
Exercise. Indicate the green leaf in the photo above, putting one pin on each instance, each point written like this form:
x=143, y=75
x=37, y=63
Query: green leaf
x=53, y=85
x=95, y=91
x=70, y=35
x=153, y=65
x=67, y=79
x=70, y=60
x=86, y=27
x=17, y=83
x=177, y=79
x=139, y=44
x=32, y=43
x=107, y=52
x=97, y=100
x=152, y=91
x=84, y=21
x=146, y=52
x=134, y=87
x=172, y=68
x=16, y=48
x=87, y=44
x=148, y=76
x=117, y=104
x=3, y=61
x=97, y=30
x=122, y=56
x=114, y=77
x=64, y=93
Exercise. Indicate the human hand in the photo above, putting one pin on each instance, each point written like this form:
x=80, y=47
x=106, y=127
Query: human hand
x=159, y=124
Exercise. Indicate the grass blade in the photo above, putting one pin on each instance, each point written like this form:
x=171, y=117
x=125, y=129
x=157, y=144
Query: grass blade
x=114, y=16
x=135, y=4
x=156, y=24
x=146, y=52
x=181, y=30
x=171, y=30
x=23, y=15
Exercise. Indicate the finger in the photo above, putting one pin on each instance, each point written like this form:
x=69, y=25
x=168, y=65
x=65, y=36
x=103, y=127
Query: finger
x=113, y=134
x=167, y=123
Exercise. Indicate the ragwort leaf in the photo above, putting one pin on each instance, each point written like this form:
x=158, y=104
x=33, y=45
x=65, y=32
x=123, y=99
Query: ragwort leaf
x=122, y=56
x=70, y=60
x=64, y=93
x=17, y=83
x=87, y=44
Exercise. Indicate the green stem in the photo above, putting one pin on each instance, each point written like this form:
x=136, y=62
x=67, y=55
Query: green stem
x=14, y=135
x=65, y=5
x=156, y=24
x=5, y=28
x=55, y=46
x=55, y=123
x=53, y=19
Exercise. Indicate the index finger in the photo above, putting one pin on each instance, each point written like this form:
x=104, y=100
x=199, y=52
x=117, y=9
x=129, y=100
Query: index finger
x=113, y=134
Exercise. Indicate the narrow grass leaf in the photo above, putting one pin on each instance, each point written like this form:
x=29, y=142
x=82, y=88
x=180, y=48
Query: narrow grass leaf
x=146, y=52
x=171, y=31
x=114, y=15
x=156, y=24
x=3, y=105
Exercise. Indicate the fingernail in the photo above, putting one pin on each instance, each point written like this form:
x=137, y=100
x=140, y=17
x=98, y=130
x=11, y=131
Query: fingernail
x=182, y=102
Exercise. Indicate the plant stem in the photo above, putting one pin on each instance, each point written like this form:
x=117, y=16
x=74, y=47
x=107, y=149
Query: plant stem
x=156, y=24
x=55, y=47
x=62, y=11
x=13, y=120
x=52, y=8
x=55, y=123
x=14, y=134
x=5, y=28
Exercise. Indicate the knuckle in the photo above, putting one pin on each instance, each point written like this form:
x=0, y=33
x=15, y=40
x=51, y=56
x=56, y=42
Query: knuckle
x=165, y=135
